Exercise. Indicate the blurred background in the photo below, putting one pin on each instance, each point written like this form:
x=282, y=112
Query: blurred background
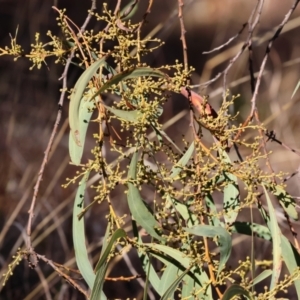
x=28, y=108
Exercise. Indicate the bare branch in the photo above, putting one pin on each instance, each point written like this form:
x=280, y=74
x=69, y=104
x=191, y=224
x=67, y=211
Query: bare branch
x=268, y=49
x=182, y=37
x=226, y=43
x=257, y=13
x=62, y=274
x=263, y=65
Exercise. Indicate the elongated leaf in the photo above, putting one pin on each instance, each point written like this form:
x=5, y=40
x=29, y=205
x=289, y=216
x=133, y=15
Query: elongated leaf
x=291, y=258
x=146, y=264
x=187, y=287
x=212, y=210
x=252, y=228
x=97, y=291
x=129, y=10
x=76, y=98
x=263, y=275
x=181, y=258
x=183, y=161
x=161, y=133
x=105, y=239
x=130, y=116
x=128, y=74
x=81, y=254
x=171, y=290
x=119, y=233
x=101, y=267
x=224, y=240
x=286, y=201
x=167, y=279
x=236, y=290
x=198, y=276
x=158, y=135
x=183, y=209
x=137, y=206
x=86, y=108
x=231, y=202
x=276, y=241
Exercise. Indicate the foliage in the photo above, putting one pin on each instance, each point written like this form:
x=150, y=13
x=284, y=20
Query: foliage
x=184, y=203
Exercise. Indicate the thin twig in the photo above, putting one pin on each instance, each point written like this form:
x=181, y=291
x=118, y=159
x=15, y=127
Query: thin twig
x=226, y=43
x=263, y=65
x=148, y=11
x=252, y=26
x=101, y=42
x=65, y=276
x=268, y=49
x=32, y=254
x=271, y=136
x=182, y=37
x=257, y=11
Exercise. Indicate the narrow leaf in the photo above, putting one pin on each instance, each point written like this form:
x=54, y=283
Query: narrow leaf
x=291, y=258
x=173, y=253
x=183, y=161
x=286, y=201
x=168, y=278
x=252, y=228
x=187, y=287
x=231, y=202
x=171, y=290
x=212, y=211
x=128, y=74
x=236, y=290
x=146, y=264
x=81, y=253
x=137, y=206
x=130, y=116
x=184, y=211
x=97, y=291
x=199, y=276
x=224, y=240
x=86, y=108
x=119, y=233
x=276, y=241
x=129, y=10
x=263, y=275
x=163, y=134
x=76, y=98
x=101, y=267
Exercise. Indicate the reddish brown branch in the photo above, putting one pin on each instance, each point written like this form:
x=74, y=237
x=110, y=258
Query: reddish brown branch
x=62, y=274
x=182, y=37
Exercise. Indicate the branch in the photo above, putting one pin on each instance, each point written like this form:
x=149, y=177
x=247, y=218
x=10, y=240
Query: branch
x=182, y=37
x=226, y=43
x=251, y=24
x=268, y=49
x=263, y=65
